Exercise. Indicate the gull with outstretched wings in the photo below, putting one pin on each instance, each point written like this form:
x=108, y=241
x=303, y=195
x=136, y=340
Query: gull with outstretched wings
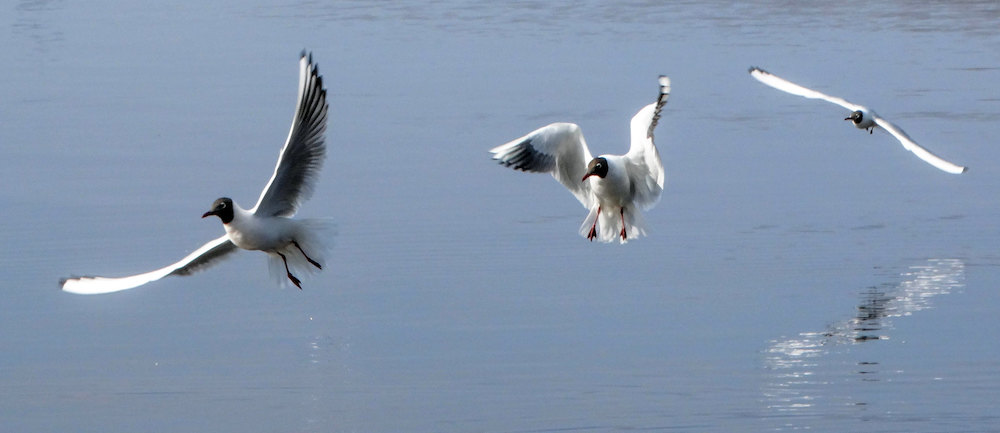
x=268, y=226
x=862, y=117
x=613, y=187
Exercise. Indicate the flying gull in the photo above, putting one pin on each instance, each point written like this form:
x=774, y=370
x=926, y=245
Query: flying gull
x=613, y=187
x=268, y=226
x=862, y=118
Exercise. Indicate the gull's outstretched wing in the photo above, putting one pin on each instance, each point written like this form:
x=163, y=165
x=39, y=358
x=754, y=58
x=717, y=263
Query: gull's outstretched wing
x=201, y=258
x=908, y=143
x=795, y=89
x=922, y=153
x=302, y=156
x=645, y=170
x=558, y=149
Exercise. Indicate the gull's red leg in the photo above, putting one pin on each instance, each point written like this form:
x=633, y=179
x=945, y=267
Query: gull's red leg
x=289, y=273
x=622, y=213
x=593, y=228
x=306, y=256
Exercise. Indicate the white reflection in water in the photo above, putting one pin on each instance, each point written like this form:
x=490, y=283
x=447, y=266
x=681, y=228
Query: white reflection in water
x=797, y=379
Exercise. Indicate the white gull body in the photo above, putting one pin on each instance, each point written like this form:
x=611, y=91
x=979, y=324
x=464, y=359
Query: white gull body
x=862, y=117
x=291, y=244
x=614, y=188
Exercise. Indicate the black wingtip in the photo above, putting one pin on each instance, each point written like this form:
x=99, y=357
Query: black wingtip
x=754, y=68
x=62, y=281
x=308, y=55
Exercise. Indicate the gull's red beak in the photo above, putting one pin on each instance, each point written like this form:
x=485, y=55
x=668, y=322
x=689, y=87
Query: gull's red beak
x=207, y=214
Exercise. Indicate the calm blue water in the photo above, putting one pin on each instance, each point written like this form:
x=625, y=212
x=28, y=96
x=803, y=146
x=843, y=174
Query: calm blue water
x=799, y=274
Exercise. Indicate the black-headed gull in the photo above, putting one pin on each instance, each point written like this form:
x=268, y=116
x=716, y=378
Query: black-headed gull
x=268, y=227
x=612, y=187
x=862, y=118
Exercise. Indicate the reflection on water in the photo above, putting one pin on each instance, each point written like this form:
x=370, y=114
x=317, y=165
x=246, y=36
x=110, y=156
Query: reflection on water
x=798, y=375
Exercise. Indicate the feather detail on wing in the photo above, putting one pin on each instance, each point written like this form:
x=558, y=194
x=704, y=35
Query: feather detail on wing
x=558, y=149
x=645, y=168
x=922, y=153
x=795, y=89
x=203, y=257
x=302, y=155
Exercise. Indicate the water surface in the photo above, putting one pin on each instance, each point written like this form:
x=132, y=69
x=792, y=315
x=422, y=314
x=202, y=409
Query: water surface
x=799, y=274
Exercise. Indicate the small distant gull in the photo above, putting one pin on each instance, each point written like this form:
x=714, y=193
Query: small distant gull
x=862, y=117
x=612, y=187
x=268, y=227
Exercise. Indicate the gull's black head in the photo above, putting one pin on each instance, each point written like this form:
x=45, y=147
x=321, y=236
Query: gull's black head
x=597, y=167
x=856, y=117
x=222, y=208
